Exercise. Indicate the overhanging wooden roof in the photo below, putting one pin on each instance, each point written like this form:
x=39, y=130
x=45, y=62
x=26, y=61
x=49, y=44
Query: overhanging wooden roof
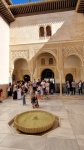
x=9, y=2
x=43, y=7
x=9, y=11
x=80, y=6
x=5, y=11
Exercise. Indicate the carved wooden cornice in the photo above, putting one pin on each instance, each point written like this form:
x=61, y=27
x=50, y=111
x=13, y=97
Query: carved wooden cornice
x=80, y=6
x=8, y=2
x=5, y=11
x=9, y=11
x=43, y=7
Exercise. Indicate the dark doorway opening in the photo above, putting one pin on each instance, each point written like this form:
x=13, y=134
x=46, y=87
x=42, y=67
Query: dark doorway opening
x=26, y=78
x=47, y=74
x=69, y=77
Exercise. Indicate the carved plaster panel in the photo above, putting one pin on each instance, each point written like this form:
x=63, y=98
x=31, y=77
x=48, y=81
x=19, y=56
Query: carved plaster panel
x=70, y=50
x=19, y=54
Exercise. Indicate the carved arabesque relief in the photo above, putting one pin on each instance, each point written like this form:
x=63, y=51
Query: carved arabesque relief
x=19, y=54
x=73, y=50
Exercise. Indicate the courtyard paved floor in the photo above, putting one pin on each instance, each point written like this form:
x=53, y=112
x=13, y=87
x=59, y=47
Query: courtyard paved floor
x=68, y=136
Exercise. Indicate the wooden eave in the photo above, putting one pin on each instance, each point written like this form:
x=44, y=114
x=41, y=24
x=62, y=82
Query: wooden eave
x=9, y=2
x=80, y=6
x=5, y=11
x=43, y=7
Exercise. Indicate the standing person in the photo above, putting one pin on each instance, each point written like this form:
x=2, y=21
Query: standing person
x=19, y=90
x=9, y=89
x=26, y=86
x=80, y=86
x=67, y=88
x=73, y=87
x=41, y=93
x=23, y=95
x=38, y=82
x=47, y=85
x=34, y=101
x=1, y=91
x=39, y=88
x=43, y=86
x=51, y=87
x=15, y=92
x=30, y=90
x=34, y=85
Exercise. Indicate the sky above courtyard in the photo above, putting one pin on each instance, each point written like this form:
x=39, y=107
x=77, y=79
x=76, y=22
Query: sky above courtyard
x=23, y=1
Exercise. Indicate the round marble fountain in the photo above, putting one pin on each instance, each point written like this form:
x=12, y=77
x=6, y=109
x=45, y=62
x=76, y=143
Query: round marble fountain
x=35, y=121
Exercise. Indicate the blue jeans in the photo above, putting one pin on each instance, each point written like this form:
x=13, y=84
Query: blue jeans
x=23, y=98
x=68, y=91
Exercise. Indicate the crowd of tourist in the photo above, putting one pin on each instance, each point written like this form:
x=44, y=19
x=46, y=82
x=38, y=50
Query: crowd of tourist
x=71, y=87
x=38, y=89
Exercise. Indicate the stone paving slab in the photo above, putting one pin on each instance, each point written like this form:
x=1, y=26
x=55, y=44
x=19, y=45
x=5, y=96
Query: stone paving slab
x=23, y=142
x=61, y=144
x=68, y=136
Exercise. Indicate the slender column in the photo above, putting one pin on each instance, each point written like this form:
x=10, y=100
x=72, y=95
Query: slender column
x=31, y=76
x=31, y=66
x=60, y=77
x=60, y=65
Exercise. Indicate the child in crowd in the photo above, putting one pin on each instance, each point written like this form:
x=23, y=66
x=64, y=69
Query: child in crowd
x=34, y=101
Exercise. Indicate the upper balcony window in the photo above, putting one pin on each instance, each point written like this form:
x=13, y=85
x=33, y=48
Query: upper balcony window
x=41, y=32
x=50, y=61
x=48, y=31
x=42, y=61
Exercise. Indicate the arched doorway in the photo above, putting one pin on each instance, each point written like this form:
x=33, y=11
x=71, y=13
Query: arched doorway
x=73, y=66
x=69, y=77
x=20, y=69
x=26, y=78
x=47, y=74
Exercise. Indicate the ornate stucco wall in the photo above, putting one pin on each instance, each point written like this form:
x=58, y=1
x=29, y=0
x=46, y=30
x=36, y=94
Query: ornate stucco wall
x=67, y=25
x=66, y=44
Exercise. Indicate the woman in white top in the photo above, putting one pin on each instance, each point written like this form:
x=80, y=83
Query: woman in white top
x=19, y=92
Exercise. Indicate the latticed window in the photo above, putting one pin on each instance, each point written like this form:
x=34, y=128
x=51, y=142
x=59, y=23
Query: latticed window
x=48, y=31
x=41, y=32
x=42, y=61
x=50, y=60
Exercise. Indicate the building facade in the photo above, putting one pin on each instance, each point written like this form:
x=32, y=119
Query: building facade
x=43, y=40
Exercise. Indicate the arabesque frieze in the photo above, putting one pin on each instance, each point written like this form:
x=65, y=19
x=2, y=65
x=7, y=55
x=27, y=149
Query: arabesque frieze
x=73, y=49
x=19, y=54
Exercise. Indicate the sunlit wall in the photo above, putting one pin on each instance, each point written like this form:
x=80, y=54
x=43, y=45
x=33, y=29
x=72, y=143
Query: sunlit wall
x=4, y=51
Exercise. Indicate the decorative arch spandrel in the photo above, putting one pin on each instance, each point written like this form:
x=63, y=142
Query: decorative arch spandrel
x=74, y=50
x=23, y=54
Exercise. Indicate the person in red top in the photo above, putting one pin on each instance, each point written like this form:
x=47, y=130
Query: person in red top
x=1, y=94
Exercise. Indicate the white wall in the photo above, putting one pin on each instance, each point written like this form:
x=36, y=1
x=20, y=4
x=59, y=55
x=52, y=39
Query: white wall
x=68, y=25
x=4, y=52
